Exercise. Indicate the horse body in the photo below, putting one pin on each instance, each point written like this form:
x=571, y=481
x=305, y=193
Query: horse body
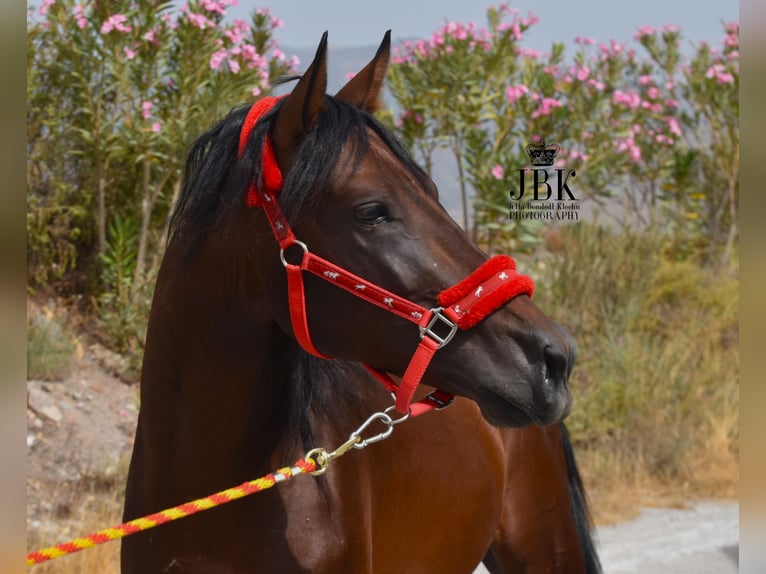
x=227, y=394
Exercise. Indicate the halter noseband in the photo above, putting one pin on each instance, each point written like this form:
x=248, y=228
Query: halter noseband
x=461, y=306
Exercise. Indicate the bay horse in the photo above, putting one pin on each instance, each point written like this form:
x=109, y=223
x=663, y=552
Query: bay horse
x=231, y=387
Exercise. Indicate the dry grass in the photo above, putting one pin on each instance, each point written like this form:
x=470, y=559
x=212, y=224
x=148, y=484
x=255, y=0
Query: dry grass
x=94, y=511
x=657, y=382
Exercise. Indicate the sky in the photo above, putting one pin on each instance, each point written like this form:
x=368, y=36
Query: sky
x=363, y=23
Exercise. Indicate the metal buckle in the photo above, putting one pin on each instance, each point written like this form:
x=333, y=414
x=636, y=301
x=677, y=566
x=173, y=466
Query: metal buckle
x=438, y=317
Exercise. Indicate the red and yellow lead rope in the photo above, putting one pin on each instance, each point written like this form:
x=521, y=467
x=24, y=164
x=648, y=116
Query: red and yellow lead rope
x=303, y=466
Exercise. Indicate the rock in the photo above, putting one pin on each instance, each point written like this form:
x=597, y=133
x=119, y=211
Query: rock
x=42, y=403
x=53, y=413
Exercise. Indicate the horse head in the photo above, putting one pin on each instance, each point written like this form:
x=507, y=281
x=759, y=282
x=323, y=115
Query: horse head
x=353, y=195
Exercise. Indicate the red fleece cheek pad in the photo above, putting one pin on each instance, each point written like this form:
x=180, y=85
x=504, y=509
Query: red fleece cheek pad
x=492, y=285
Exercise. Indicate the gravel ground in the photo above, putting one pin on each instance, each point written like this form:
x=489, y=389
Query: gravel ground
x=701, y=540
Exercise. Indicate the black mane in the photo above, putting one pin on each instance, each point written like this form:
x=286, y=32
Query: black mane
x=216, y=181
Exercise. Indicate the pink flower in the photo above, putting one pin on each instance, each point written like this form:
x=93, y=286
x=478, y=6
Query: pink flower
x=653, y=93
x=513, y=93
x=156, y=126
x=670, y=29
x=409, y=114
x=278, y=54
x=498, y=172
x=146, y=109
x=584, y=41
x=46, y=5
x=645, y=30
x=437, y=39
x=151, y=36
x=582, y=73
x=116, y=22
x=79, y=14
x=645, y=79
x=725, y=78
x=528, y=53
x=234, y=35
x=629, y=145
x=233, y=66
x=531, y=20
x=673, y=125
x=630, y=99
x=214, y=7
x=200, y=20
x=546, y=107
x=217, y=58
x=718, y=71
x=129, y=54
x=577, y=155
x=256, y=91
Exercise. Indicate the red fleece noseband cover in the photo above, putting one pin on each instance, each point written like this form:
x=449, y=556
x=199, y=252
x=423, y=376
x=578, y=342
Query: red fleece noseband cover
x=494, y=283
x=271, y=178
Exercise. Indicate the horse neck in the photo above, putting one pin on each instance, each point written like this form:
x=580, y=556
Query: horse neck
x=214, y=364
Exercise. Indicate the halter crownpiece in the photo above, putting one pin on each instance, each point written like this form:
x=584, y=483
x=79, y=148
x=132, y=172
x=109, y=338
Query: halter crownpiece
x=271, y=174
x=461, y=306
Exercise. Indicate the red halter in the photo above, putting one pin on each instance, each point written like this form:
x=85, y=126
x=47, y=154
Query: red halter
x=461, y=306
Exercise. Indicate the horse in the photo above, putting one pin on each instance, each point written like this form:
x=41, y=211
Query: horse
x=250, y=360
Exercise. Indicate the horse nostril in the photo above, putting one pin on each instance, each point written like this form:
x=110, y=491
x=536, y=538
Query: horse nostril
x=556, y=364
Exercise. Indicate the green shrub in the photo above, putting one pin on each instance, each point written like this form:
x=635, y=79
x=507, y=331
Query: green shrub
x=123, y=307
x=657, y=371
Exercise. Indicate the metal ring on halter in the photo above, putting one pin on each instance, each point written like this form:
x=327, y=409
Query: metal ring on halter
x=282, y=251
x=402, y=418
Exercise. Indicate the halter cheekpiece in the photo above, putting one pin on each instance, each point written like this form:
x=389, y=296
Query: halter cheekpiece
x=461, y=306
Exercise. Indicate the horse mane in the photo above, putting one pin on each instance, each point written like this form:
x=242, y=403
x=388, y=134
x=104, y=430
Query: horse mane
x=216, y=180
x=580, y=511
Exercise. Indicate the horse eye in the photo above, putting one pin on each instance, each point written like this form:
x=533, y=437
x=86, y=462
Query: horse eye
x=373, y=213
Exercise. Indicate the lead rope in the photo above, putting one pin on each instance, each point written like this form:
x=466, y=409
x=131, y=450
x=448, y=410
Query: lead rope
x=316, y=462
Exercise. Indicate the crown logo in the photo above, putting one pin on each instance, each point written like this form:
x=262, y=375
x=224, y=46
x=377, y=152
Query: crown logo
x=542, y=154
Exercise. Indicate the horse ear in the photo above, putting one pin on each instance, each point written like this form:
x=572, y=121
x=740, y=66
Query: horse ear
x=363, y=90
x=300, y=108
